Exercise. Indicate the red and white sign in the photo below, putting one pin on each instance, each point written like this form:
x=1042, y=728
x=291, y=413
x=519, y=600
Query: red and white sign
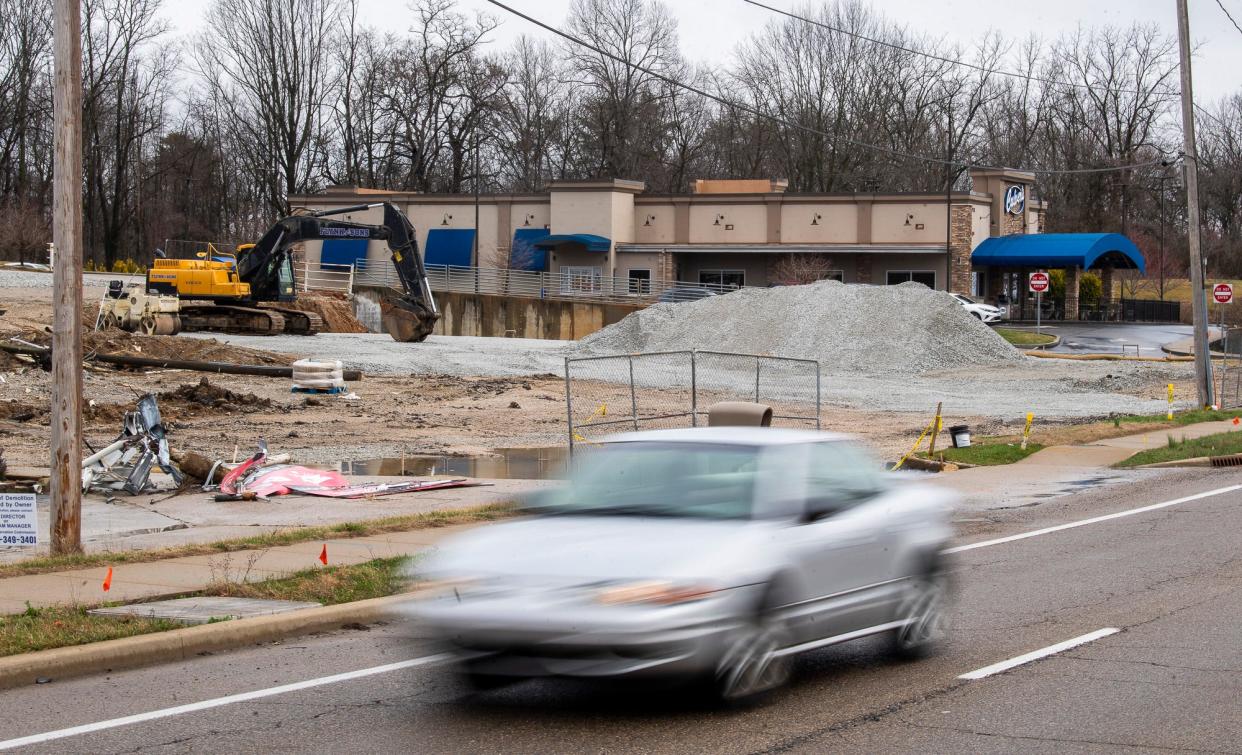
x=1223, y=293
x=1039, y=283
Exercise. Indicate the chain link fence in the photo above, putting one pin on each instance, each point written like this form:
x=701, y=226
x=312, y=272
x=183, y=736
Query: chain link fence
x=671, y=389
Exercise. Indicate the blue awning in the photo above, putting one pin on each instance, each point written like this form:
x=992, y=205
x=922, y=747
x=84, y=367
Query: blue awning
x=344, y=252
x=1061, y=250
x=524, y=255
x=450, y=246
x=592, y=242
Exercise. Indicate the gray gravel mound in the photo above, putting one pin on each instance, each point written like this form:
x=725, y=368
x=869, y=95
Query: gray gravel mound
x=868, y=329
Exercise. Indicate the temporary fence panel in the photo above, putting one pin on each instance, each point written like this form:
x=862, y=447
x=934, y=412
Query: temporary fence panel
x=659, y=390
x=315, y=277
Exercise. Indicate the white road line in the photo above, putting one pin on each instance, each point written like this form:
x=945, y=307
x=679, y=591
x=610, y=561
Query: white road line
x=1034, y=655
x=217, y=702
x=1092, y=520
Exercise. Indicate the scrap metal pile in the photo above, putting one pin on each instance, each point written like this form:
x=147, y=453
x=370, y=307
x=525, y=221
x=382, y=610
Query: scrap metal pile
x=128, y=463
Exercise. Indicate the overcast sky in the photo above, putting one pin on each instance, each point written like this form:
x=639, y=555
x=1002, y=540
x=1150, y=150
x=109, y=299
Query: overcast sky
x=711, y=28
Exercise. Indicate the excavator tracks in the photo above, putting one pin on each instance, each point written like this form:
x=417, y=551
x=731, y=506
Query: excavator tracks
x=297, y=322
x=228, y=318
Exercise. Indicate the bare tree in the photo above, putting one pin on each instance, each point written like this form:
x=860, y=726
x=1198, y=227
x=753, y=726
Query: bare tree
x=799, y=268
x=268, y=66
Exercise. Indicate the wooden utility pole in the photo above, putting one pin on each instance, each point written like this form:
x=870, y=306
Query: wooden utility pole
x=66, y=478
x=1190, y=158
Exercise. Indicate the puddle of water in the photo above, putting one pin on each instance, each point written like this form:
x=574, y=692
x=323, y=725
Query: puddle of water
x=548, y=463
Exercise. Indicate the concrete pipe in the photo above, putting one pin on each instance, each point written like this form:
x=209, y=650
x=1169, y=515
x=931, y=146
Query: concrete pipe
x=739, y=414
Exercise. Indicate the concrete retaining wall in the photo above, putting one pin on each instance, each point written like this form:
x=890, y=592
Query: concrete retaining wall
x=465, y=314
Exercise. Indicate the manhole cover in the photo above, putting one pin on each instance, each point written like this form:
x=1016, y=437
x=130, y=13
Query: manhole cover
x=203, y=610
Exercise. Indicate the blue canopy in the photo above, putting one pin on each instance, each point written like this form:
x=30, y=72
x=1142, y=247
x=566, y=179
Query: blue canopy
x=524, y=255
x=450, y=246
x=342, y=252
x=1061, y=250
x=592, y=242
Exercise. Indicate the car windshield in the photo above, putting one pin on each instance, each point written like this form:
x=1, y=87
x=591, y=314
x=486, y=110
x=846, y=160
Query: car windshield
x=660, y=479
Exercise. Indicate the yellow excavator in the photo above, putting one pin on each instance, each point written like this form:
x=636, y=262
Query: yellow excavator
x=242, y=292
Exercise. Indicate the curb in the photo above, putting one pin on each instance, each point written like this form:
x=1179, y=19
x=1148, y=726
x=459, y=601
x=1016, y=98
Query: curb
x=182, y=644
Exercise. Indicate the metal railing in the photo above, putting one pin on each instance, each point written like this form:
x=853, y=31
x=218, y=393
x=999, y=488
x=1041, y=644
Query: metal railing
x=1126, y=310
x=318, y=277
x=575, y=286
x=670, y=389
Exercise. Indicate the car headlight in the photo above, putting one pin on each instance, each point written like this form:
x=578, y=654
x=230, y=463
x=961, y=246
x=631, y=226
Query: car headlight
x=657, y=593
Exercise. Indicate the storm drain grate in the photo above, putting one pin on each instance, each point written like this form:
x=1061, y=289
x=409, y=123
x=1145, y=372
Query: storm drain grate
x=1226, y=461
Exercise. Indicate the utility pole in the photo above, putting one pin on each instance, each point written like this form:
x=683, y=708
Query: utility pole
x=1198, y=301
x=66, y=478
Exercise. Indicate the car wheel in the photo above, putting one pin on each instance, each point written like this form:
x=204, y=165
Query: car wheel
x=754, y=663
x=923, y=611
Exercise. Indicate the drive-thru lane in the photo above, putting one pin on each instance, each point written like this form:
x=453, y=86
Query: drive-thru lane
x=1167, y=578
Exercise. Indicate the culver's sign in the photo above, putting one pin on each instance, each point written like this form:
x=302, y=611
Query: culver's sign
x=1015, y=200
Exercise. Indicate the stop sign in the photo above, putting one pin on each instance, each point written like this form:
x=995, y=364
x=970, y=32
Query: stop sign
x=1039, y=283
x=1223, y=293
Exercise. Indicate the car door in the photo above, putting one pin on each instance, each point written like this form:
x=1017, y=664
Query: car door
x=840, y=546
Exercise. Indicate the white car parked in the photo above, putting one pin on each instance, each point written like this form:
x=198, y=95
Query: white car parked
x=984, y=312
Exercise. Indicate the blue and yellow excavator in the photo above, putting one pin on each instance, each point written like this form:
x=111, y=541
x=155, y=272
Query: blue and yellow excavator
x=243, y=292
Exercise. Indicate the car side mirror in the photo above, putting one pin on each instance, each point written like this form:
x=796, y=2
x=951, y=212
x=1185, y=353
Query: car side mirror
x=818, y=509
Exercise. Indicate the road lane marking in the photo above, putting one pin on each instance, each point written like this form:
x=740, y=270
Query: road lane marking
x=1035, y=655
x=217, y=702
x=1092, y=520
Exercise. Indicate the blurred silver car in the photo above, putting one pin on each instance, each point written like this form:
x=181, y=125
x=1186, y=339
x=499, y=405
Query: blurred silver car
x=708, y=554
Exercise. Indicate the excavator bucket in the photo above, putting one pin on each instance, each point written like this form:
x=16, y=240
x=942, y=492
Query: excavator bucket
x=408, y=321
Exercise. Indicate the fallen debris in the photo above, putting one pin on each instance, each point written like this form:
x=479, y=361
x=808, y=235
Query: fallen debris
x=391, y=488
x=126, y=464
x=204, y=393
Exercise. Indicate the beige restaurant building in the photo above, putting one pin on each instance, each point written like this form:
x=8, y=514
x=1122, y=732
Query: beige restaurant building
x=732, y=233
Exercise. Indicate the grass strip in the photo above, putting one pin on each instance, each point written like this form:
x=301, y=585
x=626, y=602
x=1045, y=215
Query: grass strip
x=64, y=626
x=1221, y=444
x=328, y=585
x=404, y=523
x=987, y=453
x=1019, y=337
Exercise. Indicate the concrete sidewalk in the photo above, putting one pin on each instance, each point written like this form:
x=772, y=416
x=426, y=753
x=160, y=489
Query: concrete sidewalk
x=1059, y=470
x=161, y=521
x=192, y=573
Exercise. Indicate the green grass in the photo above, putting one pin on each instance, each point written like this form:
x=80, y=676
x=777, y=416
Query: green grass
x=1020, y=337
x=328, y=585
x=64, y=626
x=985, y=453
x=429, y=520
x=1179, y=418
x=1178, y=449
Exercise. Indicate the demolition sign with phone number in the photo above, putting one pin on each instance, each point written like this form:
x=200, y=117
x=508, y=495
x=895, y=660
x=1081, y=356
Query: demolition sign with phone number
x=19, y=524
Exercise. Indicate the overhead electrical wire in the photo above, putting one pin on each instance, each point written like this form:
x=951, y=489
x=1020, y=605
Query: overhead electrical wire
x=962, y=63
x=794, y=125
x=1229, y=16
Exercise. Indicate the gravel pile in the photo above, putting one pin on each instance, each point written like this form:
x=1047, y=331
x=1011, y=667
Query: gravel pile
x=868, y=329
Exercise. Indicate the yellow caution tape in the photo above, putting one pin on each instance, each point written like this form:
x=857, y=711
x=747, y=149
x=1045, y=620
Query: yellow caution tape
x=914, y=450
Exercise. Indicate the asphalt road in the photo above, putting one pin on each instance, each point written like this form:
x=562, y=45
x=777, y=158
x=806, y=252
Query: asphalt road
x=1169, y=579
x=1108, y=338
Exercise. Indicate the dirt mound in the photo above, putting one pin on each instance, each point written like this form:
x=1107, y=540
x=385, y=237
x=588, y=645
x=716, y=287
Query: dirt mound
x=871, y=329
x=335, y=309
x=203, y=393
x=16, y=411
x=166, y=347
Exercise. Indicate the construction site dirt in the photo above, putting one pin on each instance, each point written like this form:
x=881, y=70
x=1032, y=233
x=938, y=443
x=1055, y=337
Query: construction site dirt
x=501, y=393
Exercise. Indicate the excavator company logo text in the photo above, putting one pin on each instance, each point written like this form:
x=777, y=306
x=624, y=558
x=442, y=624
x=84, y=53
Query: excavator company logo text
x=363, y=233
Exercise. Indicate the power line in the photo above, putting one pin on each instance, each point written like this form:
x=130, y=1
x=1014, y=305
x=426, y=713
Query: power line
x=791, y=124
x=932, y=56
x=1229, y=16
